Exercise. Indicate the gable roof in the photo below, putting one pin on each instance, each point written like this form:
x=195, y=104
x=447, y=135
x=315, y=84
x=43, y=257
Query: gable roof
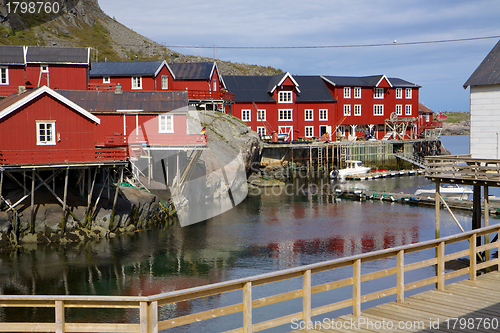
x=11, y=55
x=366, y=81
x=249, y=88
x=57, y=55
x=488, y=72
x=14, y=102
x=193, y=70
x=424, y=109
x=128, y=68
x=313, y=89
x=278, y=79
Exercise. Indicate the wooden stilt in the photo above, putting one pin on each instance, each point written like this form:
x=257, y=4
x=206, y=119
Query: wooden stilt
x=438, y=203
x=63, y=221
x=32, y=225
x=486, y=220
x=1, y=183
x=115, y=199
x=476, y=211
x=88, y=215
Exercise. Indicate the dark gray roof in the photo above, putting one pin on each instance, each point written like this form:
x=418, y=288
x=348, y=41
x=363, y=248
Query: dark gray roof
x=11, y=55
x=108, y=101
x=249, y=88
x=192, y=70
x=125, y=68
x=313, y=89
x=57, y=55
x=488, y=72
x=273, y=82
x=400, y=83
x=367, y=81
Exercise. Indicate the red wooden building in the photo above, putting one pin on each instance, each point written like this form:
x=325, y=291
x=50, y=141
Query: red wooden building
x=427, y=126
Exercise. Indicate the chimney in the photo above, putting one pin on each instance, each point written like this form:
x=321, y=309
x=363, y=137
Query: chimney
x=172, y=58
x=118, y=89
x=21, y=89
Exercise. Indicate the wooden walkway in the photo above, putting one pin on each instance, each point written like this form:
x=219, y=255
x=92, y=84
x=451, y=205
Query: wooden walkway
x=465, y=306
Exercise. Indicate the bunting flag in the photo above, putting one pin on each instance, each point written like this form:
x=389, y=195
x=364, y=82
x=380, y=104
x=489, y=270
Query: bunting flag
x=203, y=130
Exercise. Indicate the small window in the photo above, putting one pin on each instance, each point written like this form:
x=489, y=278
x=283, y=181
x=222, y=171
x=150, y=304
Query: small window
x=214, y=85
x=285, y=97
x=347, y=92
x=285, y=114
x=378, y=110
x=136, y=82
x=379, y=93
x=323, y=114
x=166, y=124
x=399, y=92
x=106, y=79
x=261, y=115
x=357, y=92
x=4, y=75
x=45, y=132
x=347, y=110
x=408, y=92
x=245, y=115
x=164, y=82
x=357, y=110
x=308, y=114
x=261, y=130
x=399, y=110
x=408, y=110
x=309, y=131
x=44, y=68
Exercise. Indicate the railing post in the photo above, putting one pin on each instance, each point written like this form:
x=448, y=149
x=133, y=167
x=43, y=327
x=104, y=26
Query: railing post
x=440, y=267
x=59, y=317
x=306, y=297
x=247, y=307
x=472, y=256
x=356, y=287
x=400, y=276
x=143, y=315
x=153, y=317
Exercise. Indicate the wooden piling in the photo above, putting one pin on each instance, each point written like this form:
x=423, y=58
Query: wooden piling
x=63, y=221
x=115, y=199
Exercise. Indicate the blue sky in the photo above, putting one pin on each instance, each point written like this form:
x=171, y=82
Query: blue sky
x=440, y=68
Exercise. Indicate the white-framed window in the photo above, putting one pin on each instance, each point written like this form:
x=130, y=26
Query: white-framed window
x=261, y=115
x=164, y=82
x=4, y=75
x=136, y=82
x=347, y=92
x=44, y=68
x=323, y=114
x=106, y=79
x=399, y=110
x=408, y=92
x=357, y=92
x=166, y=124
x=378, y=93
x=285, y=97
x=347, y=110
x=378, y=110
x=309, y=131
x=408, y=110
x=45, y=132
x=357, y=110
x=399, y=92
x=261, y=130
x=214, y=88
x=285, y=114
x=245, y=115
x=309, y=114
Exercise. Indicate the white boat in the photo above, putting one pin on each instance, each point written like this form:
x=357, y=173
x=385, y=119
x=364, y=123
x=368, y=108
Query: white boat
x=449, y=192
x=352, y=168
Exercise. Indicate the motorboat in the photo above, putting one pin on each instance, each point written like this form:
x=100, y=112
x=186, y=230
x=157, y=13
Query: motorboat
x=352, y=168
x=449, y=192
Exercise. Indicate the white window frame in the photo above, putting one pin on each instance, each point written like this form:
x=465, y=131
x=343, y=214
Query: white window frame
x=4, y=75
x=408, y=93
x=261, y=130
x=137, y=82
x=347, y=110
x=323, y=114
x=378, y=93
x=347, y=92
x=164, y=82
x=408, y=110
x=44, y=68
x=246, y=115
x=378, y=109
x=399, y=109
x=399, y=93
x=309, y=131
x=285, y=114
x=357, y=110
x=308, y=114
x=106, y=79
x=214, y=88
x=163, y=123
x=261, y=115
x=357, y=92
x=285, y=97
x=41, y=139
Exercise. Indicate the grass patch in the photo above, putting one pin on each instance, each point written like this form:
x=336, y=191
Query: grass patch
x=456, y=117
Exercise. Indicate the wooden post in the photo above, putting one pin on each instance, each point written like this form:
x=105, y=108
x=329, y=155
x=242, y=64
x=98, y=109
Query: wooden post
x=59, y=317
x=486, y=220
x=440, y=267
x=476, y=210
x=32, y=225
x=306, y=297
x=143, y=317
x=438, y=202
x=472, y=257
x=326, y=169
x=247, y=307
x=89, y=213
x=115, y=199
x=153, y=317
x=311, y=162
x=356, y=288
x=400, y=276
x=63, y=222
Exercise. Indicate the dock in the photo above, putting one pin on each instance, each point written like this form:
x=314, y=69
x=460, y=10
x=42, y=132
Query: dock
x=384, y=174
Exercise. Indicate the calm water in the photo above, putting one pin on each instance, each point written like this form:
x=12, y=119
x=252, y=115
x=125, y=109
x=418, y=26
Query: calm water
x=267, y=232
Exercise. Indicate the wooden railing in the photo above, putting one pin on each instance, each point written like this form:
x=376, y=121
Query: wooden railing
x=150, y=307
x=210, y=95
x=463, y=168
x=56, y=156
x=102, y=86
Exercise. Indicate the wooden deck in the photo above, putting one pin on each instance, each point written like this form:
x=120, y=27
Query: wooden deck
x=466, y=306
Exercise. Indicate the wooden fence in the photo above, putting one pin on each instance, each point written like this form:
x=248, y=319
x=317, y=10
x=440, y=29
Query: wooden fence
x=150, y=307
x=463, y=167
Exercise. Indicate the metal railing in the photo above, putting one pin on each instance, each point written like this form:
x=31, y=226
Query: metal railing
x=150, y=307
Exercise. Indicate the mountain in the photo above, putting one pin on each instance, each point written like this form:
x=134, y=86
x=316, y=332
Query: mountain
x=83, y=23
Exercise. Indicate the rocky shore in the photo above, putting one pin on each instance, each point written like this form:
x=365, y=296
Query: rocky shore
x=461, y=128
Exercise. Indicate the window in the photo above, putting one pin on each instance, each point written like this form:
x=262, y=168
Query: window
x=136, y=82
x=408, y=110
x=106, y=79
x=245, y=115
x=261, y=115
x=399, y=110
x=357, y=92
x=408, y=92
x=285, y=114
x=323, y=114
x=285, y=97
x=309, y=131
x=214, y=85
x=378, y=110
x=347, y=110
x=164, y=82
x=44, y=68
x=166, y=124
x=45, y=132
x=261, y=130
x=308, y=114
x=347, y=92
x=399, y=92
x=4, y=75
x=379, y=93
x=357, y=110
